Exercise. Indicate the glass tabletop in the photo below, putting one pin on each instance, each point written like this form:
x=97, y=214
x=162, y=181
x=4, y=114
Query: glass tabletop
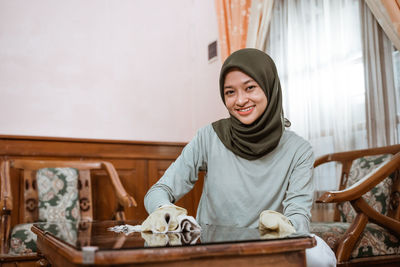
x=98, y=234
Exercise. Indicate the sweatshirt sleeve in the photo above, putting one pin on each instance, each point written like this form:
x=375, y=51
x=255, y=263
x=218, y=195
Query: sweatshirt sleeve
x=299, y=196
x=180, y=176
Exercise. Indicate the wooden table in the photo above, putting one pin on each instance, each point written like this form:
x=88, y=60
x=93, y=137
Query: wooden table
x=93, y=244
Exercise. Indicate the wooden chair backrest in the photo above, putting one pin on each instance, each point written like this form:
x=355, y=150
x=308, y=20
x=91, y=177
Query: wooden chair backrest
x=346, y=159
x=29, y=193
x=28, y=211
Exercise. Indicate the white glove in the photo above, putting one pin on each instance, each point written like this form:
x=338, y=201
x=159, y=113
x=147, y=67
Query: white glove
x=274, y=224
x=163, y=219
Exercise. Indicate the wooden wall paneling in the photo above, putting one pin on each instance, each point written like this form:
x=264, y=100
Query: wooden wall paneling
x=129, y=157
x=132, y=174
x=87, y=148
x=135, y=182
x=104, y=199
x=156, y=169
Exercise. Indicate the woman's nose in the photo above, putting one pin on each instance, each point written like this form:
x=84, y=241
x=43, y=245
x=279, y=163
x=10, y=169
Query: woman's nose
x=241, y=99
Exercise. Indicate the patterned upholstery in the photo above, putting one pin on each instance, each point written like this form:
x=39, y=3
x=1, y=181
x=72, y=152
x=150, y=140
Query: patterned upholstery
x=58, y=201
x=375, y=240
x=23, y=240
x=58, y=194
x=378, y=197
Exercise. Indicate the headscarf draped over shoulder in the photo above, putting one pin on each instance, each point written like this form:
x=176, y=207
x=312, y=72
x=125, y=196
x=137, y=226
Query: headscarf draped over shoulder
x=262, y=136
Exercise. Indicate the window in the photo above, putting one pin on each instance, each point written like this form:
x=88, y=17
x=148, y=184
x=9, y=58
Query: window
x=318, y=52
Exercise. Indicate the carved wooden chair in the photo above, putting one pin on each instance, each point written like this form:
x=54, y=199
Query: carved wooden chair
x=51, y=191
x=366, y=227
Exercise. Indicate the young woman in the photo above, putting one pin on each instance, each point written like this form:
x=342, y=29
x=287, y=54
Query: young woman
x=254, y=166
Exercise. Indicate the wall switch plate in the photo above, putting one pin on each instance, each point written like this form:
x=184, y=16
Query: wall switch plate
x=212, y=51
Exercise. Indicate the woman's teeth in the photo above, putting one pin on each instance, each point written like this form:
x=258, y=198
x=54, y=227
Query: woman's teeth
x=246, y=109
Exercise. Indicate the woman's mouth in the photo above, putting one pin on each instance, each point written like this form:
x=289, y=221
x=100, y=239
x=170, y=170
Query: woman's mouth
x=245, y=111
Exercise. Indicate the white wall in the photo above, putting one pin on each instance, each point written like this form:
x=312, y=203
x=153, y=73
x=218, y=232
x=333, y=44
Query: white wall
x=110, y=69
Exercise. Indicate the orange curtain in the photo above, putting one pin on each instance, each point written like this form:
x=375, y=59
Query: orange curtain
x=233, y=20
x=387, y=13
x=393, y=9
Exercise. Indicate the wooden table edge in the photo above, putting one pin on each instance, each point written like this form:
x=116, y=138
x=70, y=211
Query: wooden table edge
x=212, y=250
x=8, y=258
x=65, y=250
x=158, y=254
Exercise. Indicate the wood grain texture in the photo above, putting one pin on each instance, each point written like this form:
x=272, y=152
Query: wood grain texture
x=139, y=165
x=355, y=194
x=28, y=194
x=288, y=252
x=130, y=158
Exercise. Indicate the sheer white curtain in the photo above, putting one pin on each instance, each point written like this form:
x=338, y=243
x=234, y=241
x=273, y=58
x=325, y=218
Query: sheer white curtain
x=317, y=48
x=396, y=70
x=259, y=21
x=380, y=82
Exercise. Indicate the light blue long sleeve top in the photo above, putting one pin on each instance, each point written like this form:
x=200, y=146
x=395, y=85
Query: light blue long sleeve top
x=237, y=190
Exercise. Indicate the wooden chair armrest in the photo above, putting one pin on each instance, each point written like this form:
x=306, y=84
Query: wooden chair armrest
x=6, y=198
x=361, y=206
x=349, y=156
x=322, y=159
x=364, y=185
x=124, y=198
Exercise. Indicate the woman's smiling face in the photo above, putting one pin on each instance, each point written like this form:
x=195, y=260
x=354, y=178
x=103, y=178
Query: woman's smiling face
x=244, y=98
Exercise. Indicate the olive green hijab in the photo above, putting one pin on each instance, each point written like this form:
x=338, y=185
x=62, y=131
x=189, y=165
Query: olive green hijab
x=262, y=136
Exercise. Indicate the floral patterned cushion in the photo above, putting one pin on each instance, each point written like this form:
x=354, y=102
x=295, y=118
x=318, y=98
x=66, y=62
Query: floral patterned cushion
x=23, y=240
x=374, y=241
x=58, y=202
x=378, y=197
x=58, y=194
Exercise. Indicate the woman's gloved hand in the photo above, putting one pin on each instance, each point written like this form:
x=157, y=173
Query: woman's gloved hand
x=163, y=219
x=272, y=222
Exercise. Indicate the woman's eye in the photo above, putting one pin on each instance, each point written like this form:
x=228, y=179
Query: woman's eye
x=251, y=87
x=229, y=92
